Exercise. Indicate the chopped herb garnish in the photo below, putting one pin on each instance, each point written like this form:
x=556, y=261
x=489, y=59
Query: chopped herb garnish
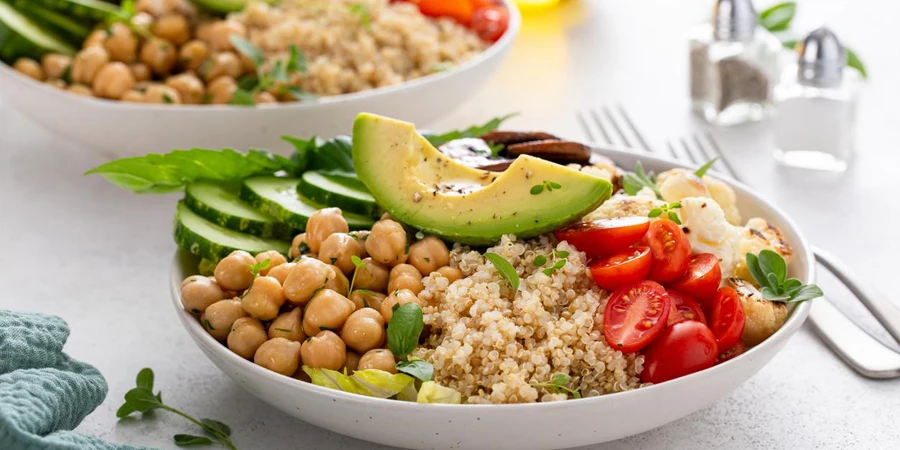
x=705, y=168
x=556, y=266
x=357, y=264
x=668, y=209
x=633, y=182
x=276, y=79
x=539, y=260
x=559, y=384
x=548, y=185
x=472, y=132
x=361, y=10
x=208, y=325
x=259, y=267
x=284, y=330
x=505, y=269
x=770, y=272
x=167, y=99
x=427, y=259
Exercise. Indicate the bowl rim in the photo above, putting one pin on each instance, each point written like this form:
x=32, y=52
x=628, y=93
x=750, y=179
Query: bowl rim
x=494, y=50
x=796, y=318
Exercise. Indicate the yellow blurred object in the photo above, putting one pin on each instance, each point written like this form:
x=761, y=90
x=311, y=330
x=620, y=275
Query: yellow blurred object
x=535, y=5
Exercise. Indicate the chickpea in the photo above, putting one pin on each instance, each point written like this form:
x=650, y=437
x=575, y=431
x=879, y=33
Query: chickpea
x=363, y=298
x=192, y=54
x=159, y=55
x=386, y=243
x=361, y=236
x=158, y=93
x=288, y=325
x=55, y=66
x=275, y=259
x=186, y=9
x=338, y=282
x=405, y=276
x=429, y=255
x=172, y=27
x=338, y=249
x=246, y=335
x=233, y=272
x=364, y=330
x=371, y=276
x=379, y=358
x=221, y=90
x=264, y=299
x=96, y=38
x=401, y=297
x=133, y=96
x=258, y=14
x=218, y=35
x=324, y=350
x=80, y=89
x=352, y=362
x=322, y=224
x=222, y=65
x=113, y=81
x=218, y=317
x=265, y=97
x=279, y=355
x=141, y=72
x=142, y=20
x=308, y=276
x=30, y=68
x=198, y=292
x=121, y=44
x=298, y=245
x=59, y=84
x=87, y=63
x=327, y=309
x=450, y=273
x=156, y=8
x=281, y=271
x=189, y=87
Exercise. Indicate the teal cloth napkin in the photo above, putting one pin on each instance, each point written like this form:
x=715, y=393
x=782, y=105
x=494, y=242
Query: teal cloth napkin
x=44, y=393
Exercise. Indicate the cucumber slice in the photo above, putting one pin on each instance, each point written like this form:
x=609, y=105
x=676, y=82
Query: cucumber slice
x=213, y=242
x=278, y=197
x=338, y=191
x=66, y=26
x=22, y=37
x=94, y=10
x=220, y=205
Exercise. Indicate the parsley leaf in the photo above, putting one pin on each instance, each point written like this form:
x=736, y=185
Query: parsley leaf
x=770, y=272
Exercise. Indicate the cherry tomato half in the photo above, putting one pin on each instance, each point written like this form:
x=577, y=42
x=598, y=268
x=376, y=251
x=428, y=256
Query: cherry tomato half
x=732, y=352
x=682, y=349
x=604, y=237
x=702, y=278
x=625, y=267
x=490, y=22
x=459, y=10
x=687, y=308
x=635, y=315
x=670, y=249
x=727, y=321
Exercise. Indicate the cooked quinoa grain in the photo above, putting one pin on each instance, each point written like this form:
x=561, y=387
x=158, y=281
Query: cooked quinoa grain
x=492, y=345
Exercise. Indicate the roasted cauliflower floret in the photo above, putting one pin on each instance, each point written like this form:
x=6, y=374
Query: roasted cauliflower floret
x=757, y=236
x=677, y=184
x=762, y=318
x=623, y=205
x=724, y=195
x=704, y=224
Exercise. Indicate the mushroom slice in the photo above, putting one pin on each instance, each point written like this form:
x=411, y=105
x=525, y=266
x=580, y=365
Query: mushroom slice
x=516, y=137
x=562, y=152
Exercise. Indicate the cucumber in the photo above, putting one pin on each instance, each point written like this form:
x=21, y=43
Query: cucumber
x=22, y=37
x=220, y=205
x=213, y=242
x=278, y=197
x=64, y=25
x=346, y=193
x=93, y=10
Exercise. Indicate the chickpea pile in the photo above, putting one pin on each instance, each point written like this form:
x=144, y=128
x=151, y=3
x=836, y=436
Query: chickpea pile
x=300, y=312
x=180, y=59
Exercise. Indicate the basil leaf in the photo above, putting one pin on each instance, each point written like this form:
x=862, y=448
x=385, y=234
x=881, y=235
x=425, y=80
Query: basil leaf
x=247, y=49
x=778, y=17
x=705, y=168
x=297, y=61
x=335, y=154
x=474, y=131
x=187, y=440
x=806, y=292
x=141, y=400
x=145, y=378
x=216, y=427
x=772, y=263
x=506, y=270
x=791, y=285
x=854, y=62
x=422, y=370
x=404, y=329
x=755, y=271
x=773, y=295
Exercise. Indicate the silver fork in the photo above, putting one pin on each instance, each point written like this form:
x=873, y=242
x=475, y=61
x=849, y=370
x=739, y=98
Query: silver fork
x=869, y=357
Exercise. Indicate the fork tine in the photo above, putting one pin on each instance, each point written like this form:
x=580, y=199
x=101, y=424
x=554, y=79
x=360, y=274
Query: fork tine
x=615, y=125
x=637, y=134
x=585, y=127
x=687, y=150
x=729, y=170
x=600, y=126
x=672, y=150
x=704, y=154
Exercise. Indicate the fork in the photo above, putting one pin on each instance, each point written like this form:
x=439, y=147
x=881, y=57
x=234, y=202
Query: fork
x=612, y=126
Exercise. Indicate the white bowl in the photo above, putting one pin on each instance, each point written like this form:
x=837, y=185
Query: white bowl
x=528, y=426
x=128, y=129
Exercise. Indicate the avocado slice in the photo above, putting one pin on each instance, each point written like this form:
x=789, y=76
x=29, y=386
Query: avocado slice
x=421, y=187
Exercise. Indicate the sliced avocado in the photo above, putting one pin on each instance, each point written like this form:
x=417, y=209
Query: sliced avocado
x=419, y=186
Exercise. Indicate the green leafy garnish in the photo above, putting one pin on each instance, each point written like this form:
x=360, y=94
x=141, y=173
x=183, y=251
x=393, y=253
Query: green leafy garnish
x=668, y=210
x=283, y=330
x=556, y=266
x=324, y=155
x=297, y=61
x=559, y=384
x=539, y=260
x=705, y=168
x=247, y=48
x=472, y=132
x=277, y=77
x=854, y=62
x=548, y=185
x=633, y=182
x=259, y=266
x=778, y=17
x=357, y=264
x=506, y=270
x=770, y=272
x=404, y=329
x=361, y=10
x=418, y=368
x=141, y=399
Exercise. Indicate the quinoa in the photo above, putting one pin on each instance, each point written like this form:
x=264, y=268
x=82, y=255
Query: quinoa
x=355, y=45
x=492, y=344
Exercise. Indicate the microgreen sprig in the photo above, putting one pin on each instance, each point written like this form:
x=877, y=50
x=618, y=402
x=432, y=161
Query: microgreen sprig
x=548, y=185
x=705, y=168
x=559, y=384
x=668, y=209
x=560, y=256
x=259, y=267
x=278, y=76
x=633, y=182
x=141, y=399
x=357, y=264
x=770, y=272
x=361, y=10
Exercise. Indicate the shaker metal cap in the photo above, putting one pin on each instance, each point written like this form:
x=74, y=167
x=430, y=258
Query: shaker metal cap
x=821, y=59
x=734, y=20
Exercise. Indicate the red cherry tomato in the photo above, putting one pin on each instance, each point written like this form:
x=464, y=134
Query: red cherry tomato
x=702, y=278
x=682, y=349
x=686, y=307
x=490, y=22
x=670, y=249
x=625, y=267
x=459, y=10
x=604, y=237
x=732, y=352
x=674, y=315
x=635, y=315
x=727, y=321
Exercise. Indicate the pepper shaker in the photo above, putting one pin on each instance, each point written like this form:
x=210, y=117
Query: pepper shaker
x=734, y=63
x=816, y=106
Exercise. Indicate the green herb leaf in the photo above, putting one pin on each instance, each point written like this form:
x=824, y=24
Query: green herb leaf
x=259, y=266
x=67, y=74
x=539, y=260
x=778, y=17
x=856, y=63
x=240, y=97
x=283, y=330
x=331, y=154
x=362, y=11
x=297, y=61
x=806, y=292
x=300, y=94
x=247, y=49
x=216, y=427
x=773, y=265
x=558, y=384
x=554, y=185
x=674, y=217
x=356, y=261
x=495, y=149
x=705, y=168
x=633, y=182
x=537, y=189
x=145, y=378
x=769, y=270
x=422, y=370
x=505, y=269
x=404, y=330
x=474, y=131
x=561, y=254
x=655, y=212
x=187, y=440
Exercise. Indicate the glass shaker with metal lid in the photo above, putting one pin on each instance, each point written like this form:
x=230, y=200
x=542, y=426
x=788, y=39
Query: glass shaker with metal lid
x=733, y=63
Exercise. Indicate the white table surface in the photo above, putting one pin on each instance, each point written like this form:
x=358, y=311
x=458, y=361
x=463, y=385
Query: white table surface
x=99, y=257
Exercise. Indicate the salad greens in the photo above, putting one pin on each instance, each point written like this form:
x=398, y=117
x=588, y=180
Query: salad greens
x=770, y=272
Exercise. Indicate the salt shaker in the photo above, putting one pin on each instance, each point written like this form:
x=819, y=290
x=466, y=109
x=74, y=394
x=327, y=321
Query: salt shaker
x=734, y=63
x=816, y=106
